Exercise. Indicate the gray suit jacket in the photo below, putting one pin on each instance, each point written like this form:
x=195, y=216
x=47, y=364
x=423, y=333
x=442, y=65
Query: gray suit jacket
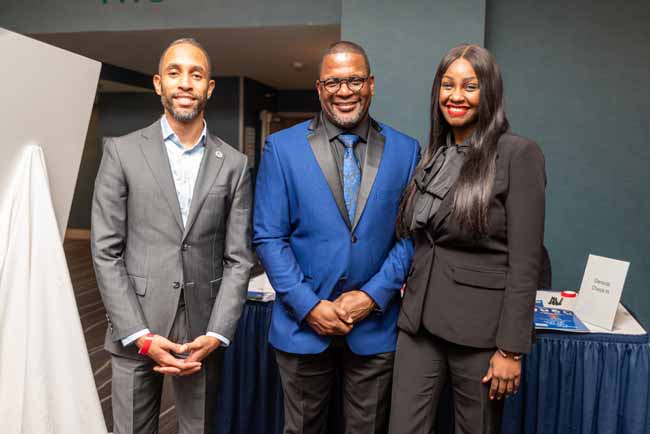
x=143, y=255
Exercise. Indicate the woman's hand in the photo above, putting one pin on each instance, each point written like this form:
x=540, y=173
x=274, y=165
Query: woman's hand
x=505, y=374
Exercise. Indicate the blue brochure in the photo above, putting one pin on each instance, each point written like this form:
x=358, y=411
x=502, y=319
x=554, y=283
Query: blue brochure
x=549, y=318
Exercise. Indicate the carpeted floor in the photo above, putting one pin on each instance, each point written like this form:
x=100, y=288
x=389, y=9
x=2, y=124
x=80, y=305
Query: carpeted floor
x=93, y=320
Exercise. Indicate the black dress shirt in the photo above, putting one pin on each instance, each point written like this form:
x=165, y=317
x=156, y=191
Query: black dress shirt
x=338, y=148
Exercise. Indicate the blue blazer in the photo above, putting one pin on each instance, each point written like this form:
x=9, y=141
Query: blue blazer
x=310, y=249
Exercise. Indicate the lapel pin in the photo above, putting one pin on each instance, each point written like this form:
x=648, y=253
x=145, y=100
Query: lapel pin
x=219, y=154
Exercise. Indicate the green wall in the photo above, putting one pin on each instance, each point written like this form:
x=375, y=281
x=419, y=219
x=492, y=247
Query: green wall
x=576, y=77
x=405, y=41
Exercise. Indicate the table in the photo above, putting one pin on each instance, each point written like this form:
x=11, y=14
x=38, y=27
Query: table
x=583, y=383
x=573, y=384
x=250, y=393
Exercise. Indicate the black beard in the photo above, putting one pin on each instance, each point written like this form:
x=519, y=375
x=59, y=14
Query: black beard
x=343, y=124
x=183, y=116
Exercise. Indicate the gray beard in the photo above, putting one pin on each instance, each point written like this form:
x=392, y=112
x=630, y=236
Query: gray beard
x=345, y=124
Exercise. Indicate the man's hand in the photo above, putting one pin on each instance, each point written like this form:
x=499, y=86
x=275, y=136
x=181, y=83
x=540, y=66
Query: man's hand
x=357, y=303
x=160, y=352
x=201, y=347
x=327, y=318
x=505, y=374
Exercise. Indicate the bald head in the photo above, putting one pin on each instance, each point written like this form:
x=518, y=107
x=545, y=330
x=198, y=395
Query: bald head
x=345, y=47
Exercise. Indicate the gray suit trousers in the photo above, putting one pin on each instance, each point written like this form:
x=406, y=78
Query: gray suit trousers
x=137, y=391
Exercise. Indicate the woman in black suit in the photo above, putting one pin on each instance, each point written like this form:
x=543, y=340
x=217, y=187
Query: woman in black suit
x=475, y=211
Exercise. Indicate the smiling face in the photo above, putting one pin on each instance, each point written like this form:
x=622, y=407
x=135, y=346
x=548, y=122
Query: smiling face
x=183, y=82
x=345, y=108
x=459, y=98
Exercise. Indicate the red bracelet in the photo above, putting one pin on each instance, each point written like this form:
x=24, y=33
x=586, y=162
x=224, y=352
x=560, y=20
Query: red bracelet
x=144, y=350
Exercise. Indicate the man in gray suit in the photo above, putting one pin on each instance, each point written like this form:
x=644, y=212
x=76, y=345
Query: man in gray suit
x=171, y=250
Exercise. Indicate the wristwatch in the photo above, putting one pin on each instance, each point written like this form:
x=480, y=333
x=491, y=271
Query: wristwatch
x=513, y=356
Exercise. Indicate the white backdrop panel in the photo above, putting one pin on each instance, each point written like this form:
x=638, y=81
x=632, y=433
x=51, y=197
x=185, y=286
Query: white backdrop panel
x=47, y=97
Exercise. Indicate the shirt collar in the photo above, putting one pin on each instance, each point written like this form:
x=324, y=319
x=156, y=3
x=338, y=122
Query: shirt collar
x=361, y=129
x=169, y=134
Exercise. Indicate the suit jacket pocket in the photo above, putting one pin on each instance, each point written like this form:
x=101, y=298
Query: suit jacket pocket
x=139, y=284
x=488, y=279
x=214, y=287
x=220, y=190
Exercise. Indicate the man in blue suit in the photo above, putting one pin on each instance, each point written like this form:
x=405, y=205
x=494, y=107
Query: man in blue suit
x=327, y=197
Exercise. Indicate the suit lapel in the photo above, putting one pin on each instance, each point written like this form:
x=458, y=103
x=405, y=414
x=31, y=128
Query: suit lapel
x=320, y=146
x=211, y=164
x=155, y=154
x=374, y=152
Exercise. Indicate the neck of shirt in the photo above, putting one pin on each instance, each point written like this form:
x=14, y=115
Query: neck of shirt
x=169, y=134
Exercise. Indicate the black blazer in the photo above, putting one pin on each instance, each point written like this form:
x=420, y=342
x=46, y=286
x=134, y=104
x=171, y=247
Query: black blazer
x=481, y=293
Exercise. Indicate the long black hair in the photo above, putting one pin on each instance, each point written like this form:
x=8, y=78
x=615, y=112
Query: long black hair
x=474, y=185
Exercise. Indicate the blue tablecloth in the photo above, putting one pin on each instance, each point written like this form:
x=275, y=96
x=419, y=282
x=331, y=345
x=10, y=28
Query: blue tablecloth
x=250, y=392
x=573, y=384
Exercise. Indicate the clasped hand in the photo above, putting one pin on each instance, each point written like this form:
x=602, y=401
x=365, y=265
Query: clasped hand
x=162, y=349
x=339, y=316
x=504, y=375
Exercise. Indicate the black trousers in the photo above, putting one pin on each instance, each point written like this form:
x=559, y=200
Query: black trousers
x=308, y=384
x=423, y=363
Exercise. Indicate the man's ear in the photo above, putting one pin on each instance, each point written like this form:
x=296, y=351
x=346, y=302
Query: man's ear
x=157, y=84
x=211, y=85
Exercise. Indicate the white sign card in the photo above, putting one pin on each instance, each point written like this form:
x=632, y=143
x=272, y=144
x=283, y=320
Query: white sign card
x=600, y=291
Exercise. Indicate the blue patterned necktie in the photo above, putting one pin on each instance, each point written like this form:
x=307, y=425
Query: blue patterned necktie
x=351, y=173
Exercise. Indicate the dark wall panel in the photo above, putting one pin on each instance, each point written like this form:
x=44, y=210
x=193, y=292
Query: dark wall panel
x=120, y=113
x=299, y=101
x=257, y=97
x=576, y=78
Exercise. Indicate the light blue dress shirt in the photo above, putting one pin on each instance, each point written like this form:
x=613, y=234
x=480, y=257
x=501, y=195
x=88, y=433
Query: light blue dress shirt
x=185, y=164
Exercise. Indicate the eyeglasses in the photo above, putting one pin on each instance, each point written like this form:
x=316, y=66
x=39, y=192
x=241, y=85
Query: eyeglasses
x=332, y=85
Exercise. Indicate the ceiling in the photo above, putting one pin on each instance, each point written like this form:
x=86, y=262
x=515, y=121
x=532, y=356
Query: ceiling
x=264, y=54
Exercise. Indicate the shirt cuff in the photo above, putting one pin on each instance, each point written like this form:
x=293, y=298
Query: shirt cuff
x=132, y=338
x=224, y=340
